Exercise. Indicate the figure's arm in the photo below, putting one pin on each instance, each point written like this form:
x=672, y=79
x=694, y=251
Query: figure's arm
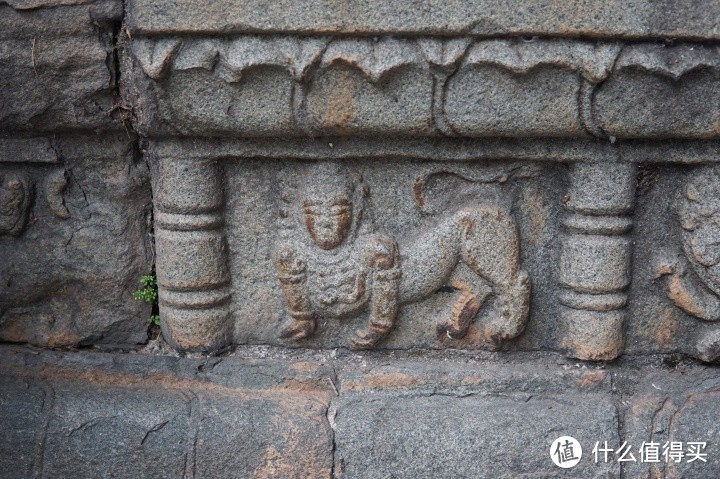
x=292, y=276
x=385, y=265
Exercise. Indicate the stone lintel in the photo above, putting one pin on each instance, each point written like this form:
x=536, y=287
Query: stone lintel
x=635, y=19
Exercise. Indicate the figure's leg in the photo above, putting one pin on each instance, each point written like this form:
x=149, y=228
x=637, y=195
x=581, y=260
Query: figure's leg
x=464, y=310
x=291, y=273
x=384, y=260
x=486, y=239
x=428, y=264
x=490, y=246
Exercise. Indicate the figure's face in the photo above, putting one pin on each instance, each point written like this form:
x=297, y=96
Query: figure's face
x=328, y=220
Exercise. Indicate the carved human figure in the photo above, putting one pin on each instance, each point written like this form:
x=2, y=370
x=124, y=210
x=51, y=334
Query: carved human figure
x=15, y=196
x=338, y=266
x=697, y=289
x=693, y=280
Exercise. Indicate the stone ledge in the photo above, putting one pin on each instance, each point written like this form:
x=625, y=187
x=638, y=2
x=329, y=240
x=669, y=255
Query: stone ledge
x=579, y=18
x=267, y=412
x=441, y=149
x=280, y=86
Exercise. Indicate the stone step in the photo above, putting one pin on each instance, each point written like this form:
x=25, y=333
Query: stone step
x=276, y=413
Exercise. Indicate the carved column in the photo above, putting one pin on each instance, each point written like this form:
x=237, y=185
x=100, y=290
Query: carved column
x=192, y=256
x=596, y=258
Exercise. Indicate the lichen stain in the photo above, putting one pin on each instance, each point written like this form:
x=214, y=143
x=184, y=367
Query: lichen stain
x=296, y=458
x=590, y=379
x=388, y=380
x=341, y=107
x=667, y=328
x=536, y=216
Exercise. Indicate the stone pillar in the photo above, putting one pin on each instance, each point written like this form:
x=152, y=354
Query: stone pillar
x=596, y=258
x=192, y=255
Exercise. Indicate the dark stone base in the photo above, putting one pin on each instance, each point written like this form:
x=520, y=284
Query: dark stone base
x=275, y=413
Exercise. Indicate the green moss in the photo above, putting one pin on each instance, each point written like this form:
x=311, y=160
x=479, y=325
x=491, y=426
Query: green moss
x=149, y=293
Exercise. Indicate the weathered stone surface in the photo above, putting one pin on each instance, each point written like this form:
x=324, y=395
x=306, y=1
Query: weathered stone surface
x=540, y=150
x=444, y=436
x=629, y=19
x=123, y=416
x=58, y=66
x=275, y=413
x=74, y=241
x=662, y=91
x=409, y=419
x=673, y=289
x=673, y=406
x=24, y=408
x=422, y=208
x=49, y=18
x=242, y=289
x=295, y=86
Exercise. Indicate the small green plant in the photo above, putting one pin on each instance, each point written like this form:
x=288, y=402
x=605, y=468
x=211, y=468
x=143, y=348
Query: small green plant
x=149, y=294
x=154, y=320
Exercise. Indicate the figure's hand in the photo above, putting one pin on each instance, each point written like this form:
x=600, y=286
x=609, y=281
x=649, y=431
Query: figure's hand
x=297, y=329
x=288, y=262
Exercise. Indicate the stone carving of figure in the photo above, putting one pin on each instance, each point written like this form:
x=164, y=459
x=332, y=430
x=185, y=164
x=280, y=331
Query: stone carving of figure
x=694, y=281
x=15, y=195
x=334, y=265
x=697, y=289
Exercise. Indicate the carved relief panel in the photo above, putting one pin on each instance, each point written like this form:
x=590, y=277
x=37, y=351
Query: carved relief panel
x=332, y=263
x=73, y=241
x=396, y=254
x=687, y=267
x=427, y=192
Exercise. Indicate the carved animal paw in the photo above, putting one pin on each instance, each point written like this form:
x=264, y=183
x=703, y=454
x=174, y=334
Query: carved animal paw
x=514, y=307
x=367, y=339
x=464, y=311
x=446, y=329
x=296, y=330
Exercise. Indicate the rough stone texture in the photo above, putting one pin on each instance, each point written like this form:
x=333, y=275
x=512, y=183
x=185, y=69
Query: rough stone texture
x=250, y=86
x=629, y=19
x=413, y=177
x=78, y=243
x=275, y=413
x=58, y=64
x=75, y=198
x=426, y=434
x=591, y=264
x=662, y=91
x=124, y=416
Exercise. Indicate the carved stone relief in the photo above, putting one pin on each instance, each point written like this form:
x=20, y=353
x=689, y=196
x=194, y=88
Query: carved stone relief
x=15, y=197
x=379, y=114
x=73, y=241
x=425, y=86
x=333, y=264
x=401, y=255
x=55, y=185
x=693, y=281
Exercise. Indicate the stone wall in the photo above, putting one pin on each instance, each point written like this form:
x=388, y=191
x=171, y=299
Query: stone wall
x=75, y=201
x=504, y=184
